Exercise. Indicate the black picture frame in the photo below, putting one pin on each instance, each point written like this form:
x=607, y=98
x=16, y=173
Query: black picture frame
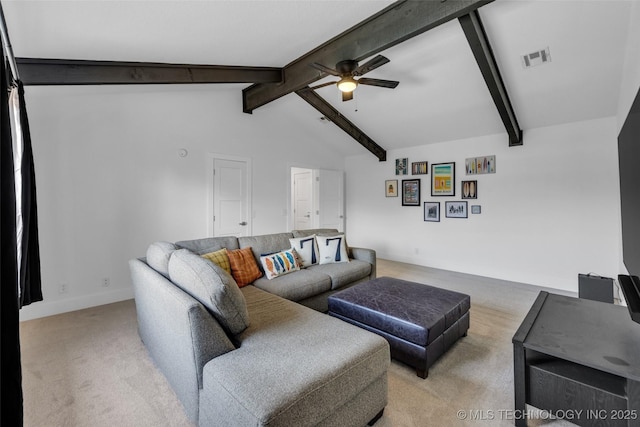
x=443, y=179
x=469, y=189
x=410, y=192
x=432, y=211
x=456, y=209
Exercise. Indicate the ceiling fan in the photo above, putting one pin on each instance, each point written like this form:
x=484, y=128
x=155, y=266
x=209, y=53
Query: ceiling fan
x=348, y=69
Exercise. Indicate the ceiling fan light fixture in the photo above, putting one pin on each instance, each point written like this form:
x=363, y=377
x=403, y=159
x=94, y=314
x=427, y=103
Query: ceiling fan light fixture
x=347, y=84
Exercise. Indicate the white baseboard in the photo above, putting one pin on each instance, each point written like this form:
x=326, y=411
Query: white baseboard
x=45, y=308
x=416, y=261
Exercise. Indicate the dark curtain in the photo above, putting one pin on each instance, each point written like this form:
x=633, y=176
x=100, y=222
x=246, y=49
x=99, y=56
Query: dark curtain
x=29, y=282
x=10, y=370
x=30, y=288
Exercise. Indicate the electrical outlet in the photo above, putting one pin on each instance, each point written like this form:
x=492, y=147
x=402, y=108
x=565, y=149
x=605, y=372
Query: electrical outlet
x=62, y=288
x=106, y=282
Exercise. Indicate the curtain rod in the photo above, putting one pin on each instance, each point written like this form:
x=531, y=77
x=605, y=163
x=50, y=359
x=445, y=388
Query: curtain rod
x=7, y=45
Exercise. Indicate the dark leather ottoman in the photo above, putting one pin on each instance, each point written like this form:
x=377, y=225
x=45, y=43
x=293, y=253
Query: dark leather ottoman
x=420, y=322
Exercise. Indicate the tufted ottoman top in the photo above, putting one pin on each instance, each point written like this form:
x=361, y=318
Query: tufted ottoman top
x=412, y=311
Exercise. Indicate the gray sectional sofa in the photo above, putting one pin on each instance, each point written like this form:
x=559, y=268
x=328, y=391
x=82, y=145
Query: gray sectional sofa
x=310, y=286
x=256, y=356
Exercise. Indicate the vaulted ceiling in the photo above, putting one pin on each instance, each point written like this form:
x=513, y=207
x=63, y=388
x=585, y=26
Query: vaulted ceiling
x=441, y=97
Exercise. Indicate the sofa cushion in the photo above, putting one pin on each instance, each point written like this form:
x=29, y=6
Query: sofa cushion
x=294, y=366
x=344, y=273
x=266, y=244
x=280, y=263
x=306, y=248
x=296, y=286
x=212, y=287
x=243, y=266
x=209, y=244
x=158, y=255
x=220, y=258
x=332, y=249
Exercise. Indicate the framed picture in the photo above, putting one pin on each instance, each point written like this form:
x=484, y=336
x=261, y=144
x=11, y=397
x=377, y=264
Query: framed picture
x=402, y=166
x=419, y=168
x=480, y=165
x=391, y=188
x=410, y=192
x=476, y=209
x=443, y=179
x=469, y=189
x=432, y=211
x=455, y=209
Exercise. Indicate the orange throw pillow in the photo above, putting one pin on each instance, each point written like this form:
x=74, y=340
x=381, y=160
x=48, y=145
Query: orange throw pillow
x=243, y=266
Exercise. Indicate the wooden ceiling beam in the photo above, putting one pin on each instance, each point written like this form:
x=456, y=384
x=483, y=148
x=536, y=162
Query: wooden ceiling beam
x=393, y=25
x=477, y=38
x=77, y=72
x=320, y=104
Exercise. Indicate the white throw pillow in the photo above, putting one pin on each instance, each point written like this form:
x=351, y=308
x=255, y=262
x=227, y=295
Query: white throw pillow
x=307, y=249
x=332, y=249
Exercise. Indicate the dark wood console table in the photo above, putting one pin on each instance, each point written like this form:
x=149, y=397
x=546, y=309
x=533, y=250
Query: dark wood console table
x=578, y=359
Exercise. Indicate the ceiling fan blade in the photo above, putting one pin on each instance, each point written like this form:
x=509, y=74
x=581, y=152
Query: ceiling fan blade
x=347, y=96
x=323, y=85
x=391, y=84
x=370, y=65
x=325, y=69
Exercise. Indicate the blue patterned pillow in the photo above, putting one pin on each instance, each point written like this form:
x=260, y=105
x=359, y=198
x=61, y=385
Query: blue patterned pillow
x=280, y=263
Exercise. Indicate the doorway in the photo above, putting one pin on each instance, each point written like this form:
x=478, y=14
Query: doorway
x=317, y=199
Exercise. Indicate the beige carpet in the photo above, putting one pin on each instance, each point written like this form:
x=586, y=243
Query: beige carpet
x=89, y=367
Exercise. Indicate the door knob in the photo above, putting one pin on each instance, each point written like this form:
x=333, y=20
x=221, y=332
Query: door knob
x=243, y=223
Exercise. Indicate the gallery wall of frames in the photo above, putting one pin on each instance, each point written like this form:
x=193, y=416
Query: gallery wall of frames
x=441, y=199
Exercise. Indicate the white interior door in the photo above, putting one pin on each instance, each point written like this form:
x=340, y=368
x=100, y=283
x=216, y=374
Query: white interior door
x=231, y=197
x=302, y=198
x=331, y=199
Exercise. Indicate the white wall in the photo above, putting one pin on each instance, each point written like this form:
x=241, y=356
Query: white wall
x=631, y=72
x=551, y=210
x=110, y=180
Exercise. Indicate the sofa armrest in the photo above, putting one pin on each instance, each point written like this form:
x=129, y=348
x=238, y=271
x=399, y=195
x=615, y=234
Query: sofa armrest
x=364, y=254
x=179, y=333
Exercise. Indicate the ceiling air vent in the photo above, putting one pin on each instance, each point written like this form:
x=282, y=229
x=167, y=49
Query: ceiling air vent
x=536, y=58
